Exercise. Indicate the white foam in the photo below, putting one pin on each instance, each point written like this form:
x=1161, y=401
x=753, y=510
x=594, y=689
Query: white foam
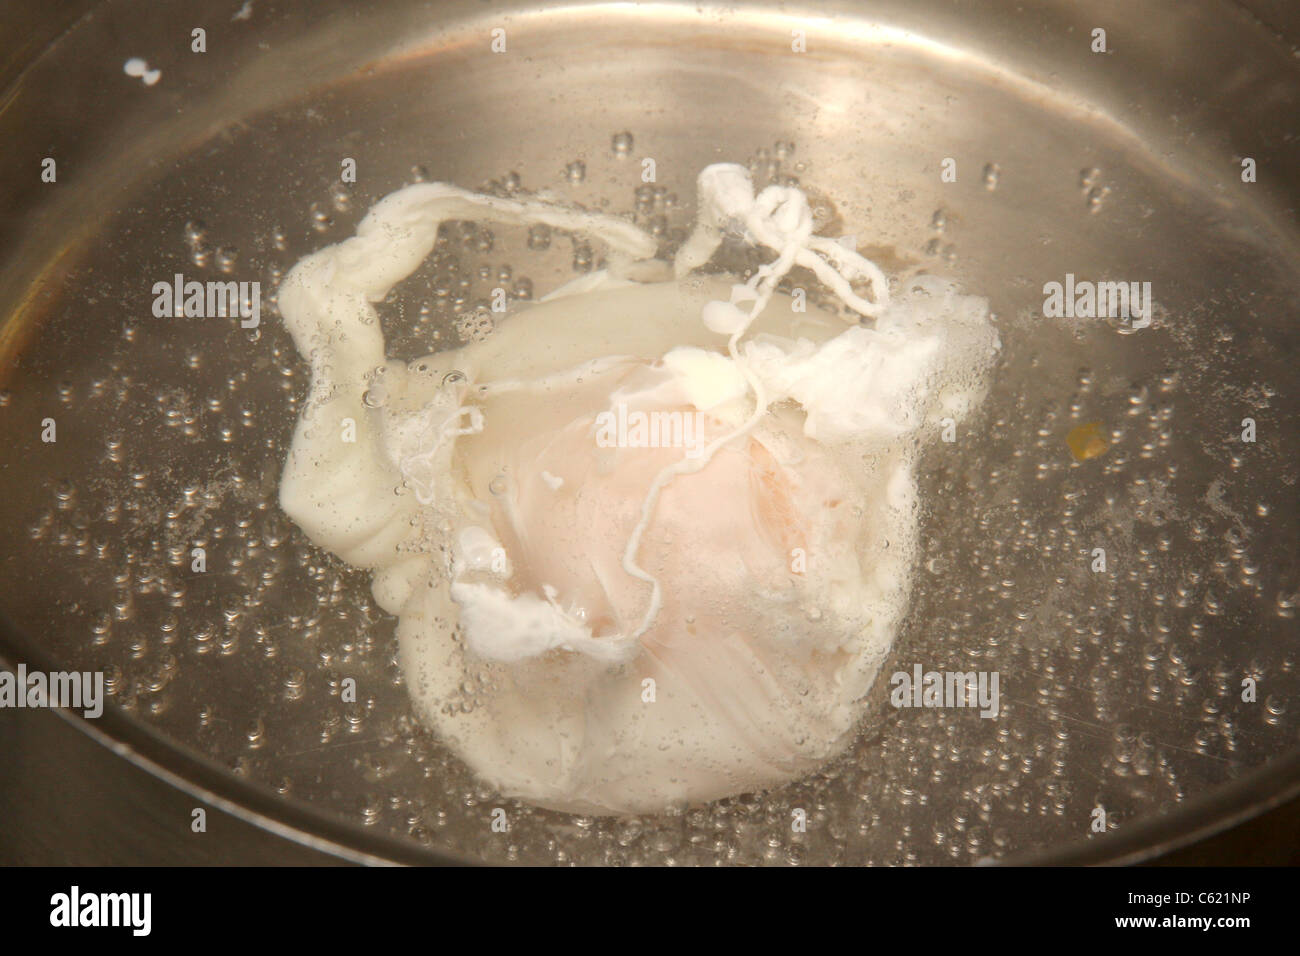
x=505, y=627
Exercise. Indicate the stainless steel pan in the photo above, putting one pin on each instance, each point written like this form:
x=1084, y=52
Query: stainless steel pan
x=1121, y=690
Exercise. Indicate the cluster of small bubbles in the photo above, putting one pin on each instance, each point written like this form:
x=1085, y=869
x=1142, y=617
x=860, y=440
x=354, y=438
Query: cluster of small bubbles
x=477, y=238
x=101, y=627
x=645, y=199
x=196, y=233
x=475, y=325
x=196, y=241
x=226, y=259
x=321, y=221
x=1095, y=196
x=1285, y=603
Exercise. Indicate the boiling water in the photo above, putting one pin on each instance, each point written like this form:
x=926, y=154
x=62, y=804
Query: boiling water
x=1119, y=689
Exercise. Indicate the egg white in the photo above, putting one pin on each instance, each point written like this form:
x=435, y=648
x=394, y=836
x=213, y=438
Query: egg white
x=613, y=630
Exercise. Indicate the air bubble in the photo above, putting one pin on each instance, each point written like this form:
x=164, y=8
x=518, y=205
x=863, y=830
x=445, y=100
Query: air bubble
x=539, y=236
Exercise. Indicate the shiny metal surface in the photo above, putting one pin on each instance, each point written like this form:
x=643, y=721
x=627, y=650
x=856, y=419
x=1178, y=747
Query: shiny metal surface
x=1121, y=692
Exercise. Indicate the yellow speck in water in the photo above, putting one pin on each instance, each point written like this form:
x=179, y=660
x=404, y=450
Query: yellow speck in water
x=1086, y=442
